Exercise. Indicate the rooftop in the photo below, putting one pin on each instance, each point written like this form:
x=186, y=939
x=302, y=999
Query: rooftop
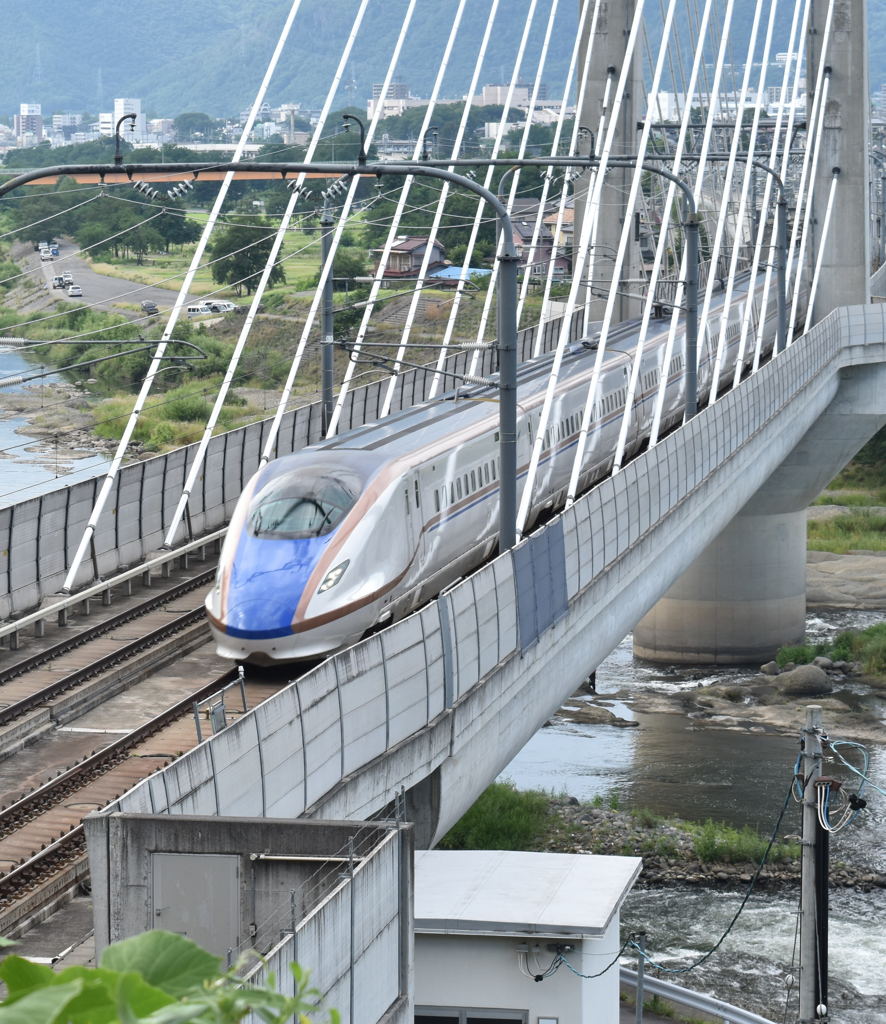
x=513, y=893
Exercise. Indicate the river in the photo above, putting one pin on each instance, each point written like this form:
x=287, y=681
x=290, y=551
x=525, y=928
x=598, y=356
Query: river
x=675, y=767
x=29, y=467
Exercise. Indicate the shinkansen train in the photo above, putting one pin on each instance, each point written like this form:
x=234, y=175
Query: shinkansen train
x=349, y=534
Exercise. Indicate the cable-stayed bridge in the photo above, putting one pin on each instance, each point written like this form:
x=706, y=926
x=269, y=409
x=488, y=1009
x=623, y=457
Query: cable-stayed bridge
x=697, y=534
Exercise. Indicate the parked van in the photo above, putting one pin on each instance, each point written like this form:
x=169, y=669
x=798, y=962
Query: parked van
x=199, y=310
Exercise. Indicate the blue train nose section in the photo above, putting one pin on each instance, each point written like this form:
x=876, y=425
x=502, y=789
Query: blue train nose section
x=260, y=618
x=268, y=578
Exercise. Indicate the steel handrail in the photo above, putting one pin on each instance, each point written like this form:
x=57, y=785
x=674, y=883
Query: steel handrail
x=692, y=1000
x=96, y=589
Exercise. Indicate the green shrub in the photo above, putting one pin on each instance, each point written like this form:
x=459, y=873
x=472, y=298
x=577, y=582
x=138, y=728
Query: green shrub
x=715, y=842
x=863, y=530
x=799, y=654
x=503, y=818
x=645, y=818
x=187, y=409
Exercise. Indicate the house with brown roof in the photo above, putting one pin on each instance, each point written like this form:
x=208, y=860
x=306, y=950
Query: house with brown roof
x=406, y=256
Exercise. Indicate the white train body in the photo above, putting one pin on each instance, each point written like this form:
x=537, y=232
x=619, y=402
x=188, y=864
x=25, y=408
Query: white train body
x=348, y=534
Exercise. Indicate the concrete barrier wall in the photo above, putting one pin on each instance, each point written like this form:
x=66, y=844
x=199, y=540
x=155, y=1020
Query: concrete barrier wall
x=354, y=961
x=399, y=704
x=39, y=536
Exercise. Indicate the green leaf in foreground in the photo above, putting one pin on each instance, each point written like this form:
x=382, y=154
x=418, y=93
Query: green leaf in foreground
x=21, y=976
x=170, y=962
x=45, y=1006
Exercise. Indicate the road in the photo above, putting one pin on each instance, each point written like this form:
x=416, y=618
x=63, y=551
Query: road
x=100, y=291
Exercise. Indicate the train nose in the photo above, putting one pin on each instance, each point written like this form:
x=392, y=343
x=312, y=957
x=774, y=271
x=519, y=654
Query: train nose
x=260, y=617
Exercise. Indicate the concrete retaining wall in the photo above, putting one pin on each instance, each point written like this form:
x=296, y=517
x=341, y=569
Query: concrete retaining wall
x=458, y=688
x=291, y=892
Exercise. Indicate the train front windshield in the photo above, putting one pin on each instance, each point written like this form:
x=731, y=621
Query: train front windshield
x=308, y=502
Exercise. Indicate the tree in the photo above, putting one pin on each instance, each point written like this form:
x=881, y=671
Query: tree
x=240, y=253
x=194, y=123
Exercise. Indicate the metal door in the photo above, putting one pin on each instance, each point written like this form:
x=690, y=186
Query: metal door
x=198, y=895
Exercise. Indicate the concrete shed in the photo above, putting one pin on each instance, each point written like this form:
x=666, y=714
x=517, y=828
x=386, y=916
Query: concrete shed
x=489, y=923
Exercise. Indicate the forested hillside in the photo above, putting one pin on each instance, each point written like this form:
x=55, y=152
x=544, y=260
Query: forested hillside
x=210, y=55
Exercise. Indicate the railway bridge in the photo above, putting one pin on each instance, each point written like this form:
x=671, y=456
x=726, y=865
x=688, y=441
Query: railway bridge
x=697, y=544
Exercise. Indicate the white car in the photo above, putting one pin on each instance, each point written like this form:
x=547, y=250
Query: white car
x=75, y=291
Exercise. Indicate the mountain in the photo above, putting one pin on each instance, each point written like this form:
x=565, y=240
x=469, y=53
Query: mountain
x=211, y=55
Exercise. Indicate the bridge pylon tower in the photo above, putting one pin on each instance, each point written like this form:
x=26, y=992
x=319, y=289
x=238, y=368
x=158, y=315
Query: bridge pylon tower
x=607, y=52
x=745, y=596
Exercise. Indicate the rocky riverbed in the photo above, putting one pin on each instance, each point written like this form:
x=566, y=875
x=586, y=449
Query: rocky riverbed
x=668, y=853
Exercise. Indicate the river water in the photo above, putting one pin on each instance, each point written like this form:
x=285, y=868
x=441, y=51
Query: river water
x=676, y=767
x=29, y=467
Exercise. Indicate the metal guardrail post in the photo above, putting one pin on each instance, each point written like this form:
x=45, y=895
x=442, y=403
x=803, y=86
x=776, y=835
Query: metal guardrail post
x=641, y=971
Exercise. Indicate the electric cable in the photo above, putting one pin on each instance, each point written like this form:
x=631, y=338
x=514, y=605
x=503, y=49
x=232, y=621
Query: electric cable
x=750, y=888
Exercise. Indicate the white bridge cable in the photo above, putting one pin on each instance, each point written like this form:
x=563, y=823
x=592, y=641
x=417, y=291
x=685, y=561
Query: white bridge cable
x=806, y=188
x=272, y=262
x=697, y=193
x=563, y=206
x=814, y=121
x=326, y=268
x=89, y=531
x=394, y=227
x=515, y=180
x=807, y=209
x=538, y=227
x=748, y=314
x=592, y=200
x=462, y=282
x=704, y=332
x=623, y=242
x=796, y=91
x=438, y=214
x=813, y=288
x=660, y=252
x=722, y=339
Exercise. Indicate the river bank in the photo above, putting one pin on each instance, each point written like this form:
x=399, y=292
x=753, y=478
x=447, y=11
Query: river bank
x=667, y=848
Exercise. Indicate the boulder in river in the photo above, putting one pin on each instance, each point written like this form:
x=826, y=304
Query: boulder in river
x=804, y=681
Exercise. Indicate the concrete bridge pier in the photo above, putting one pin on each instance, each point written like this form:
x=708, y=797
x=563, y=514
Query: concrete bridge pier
x=745, y=595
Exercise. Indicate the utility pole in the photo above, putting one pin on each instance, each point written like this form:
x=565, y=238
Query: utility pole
x=328, y=330
x=813, y=888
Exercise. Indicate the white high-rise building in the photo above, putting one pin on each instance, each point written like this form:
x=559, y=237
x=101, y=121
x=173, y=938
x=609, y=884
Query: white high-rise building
x=131, y=106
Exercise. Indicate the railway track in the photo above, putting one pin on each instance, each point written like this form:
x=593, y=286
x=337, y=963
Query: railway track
x=42, y=846
x=82, y=667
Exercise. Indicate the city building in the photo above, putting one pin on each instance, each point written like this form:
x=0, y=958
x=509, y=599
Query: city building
x=122, y=107
x=27, y=125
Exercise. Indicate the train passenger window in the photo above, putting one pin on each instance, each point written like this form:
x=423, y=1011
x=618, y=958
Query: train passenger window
x=417, y=496
x=308, y=503
x=486, y=472
x=436, y=501
x=452, y=494
x=473, y=481
x=493, y=470
x=458, y=487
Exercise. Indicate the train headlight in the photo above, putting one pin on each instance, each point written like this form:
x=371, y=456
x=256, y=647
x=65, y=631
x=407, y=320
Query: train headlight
x=333, y=576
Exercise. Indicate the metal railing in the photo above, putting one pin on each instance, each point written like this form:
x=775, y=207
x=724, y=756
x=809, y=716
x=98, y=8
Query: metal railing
x=690, y=1000
x=59, y=609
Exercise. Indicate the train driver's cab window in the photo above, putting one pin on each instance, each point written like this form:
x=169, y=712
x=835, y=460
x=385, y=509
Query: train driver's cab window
x=310, y=502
